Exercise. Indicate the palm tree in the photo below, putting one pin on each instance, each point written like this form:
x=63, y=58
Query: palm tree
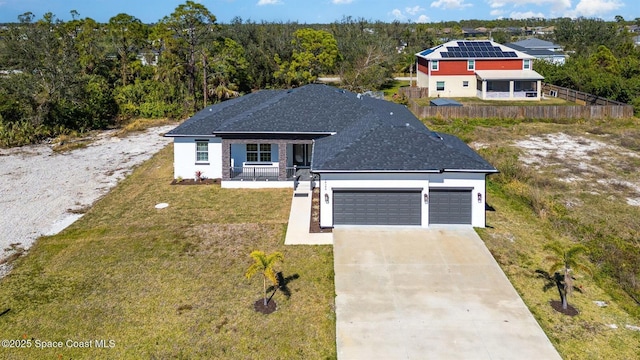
x=264, y=264
x=565, y=260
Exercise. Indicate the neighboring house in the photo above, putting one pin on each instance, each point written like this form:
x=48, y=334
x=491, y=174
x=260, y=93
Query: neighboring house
x=538, y=44
x=472, y=33
x=373, y=161
x=554, y=57
x=541, y=49
x=539, y=30
x=482, y=69
x=148, y=58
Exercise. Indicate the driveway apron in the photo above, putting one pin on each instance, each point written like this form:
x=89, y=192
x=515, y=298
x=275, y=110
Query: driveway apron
x=437, y=293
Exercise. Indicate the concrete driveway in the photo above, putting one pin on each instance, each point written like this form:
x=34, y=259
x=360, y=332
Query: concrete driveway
x=410, y=293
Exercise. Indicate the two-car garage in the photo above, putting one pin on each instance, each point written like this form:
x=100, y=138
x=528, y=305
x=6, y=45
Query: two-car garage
x=401, y=206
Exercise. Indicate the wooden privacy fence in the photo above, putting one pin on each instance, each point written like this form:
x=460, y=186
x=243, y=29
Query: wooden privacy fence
x=578, y=97
x=413, y=92
x=523, y=112
x=589, y=107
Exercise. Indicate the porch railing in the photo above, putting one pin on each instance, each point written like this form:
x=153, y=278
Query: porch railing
x=260, y=173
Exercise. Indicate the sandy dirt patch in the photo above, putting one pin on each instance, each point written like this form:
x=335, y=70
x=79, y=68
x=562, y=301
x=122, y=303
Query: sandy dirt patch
x=43, y=192
x=582, y=161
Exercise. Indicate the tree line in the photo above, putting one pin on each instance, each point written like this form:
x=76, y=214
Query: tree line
x=60, y=77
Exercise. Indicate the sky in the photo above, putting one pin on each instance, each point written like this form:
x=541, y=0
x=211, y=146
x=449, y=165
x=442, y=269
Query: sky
x=328, y=11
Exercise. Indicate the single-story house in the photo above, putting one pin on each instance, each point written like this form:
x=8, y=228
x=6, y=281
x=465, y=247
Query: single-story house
x=373, y=161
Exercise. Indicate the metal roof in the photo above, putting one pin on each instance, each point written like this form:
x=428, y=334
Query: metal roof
x=508, y=75
x=444, y=102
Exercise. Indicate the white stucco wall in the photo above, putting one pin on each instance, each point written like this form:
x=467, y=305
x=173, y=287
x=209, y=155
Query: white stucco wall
x=330, y=181
x=453, y=86
x=184, y=158
x=422, y=79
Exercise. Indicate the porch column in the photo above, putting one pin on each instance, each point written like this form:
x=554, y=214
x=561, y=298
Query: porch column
x=226, y=159
x=511, y=87
x=282, y=160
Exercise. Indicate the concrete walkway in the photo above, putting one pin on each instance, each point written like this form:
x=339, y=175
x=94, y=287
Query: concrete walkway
x=410, y=293
x=299, y=220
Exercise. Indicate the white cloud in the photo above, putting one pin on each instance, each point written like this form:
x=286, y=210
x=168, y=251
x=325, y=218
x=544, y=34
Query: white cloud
x=449, y=4
x=556, y=5
x=525, y=15
x=422, y=19
x=342, y=1
x=497, y=12
x=413, y=10
x=269, y=2
x=596, y=7
x=397, y=14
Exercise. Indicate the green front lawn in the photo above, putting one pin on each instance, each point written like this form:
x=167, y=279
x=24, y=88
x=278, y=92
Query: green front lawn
x=169, y=283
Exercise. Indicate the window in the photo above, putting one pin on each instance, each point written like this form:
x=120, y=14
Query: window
x=202, y=151
x=471, y=65
x=465, y=84
x=526, y=64
x=259, y=152
x=440, y=85
x=434, y=65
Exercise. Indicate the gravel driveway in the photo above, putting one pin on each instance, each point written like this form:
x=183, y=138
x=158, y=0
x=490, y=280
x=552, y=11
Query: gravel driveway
x=42, y=192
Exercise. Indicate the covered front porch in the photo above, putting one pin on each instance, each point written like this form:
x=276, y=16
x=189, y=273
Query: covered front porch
x=276, y=161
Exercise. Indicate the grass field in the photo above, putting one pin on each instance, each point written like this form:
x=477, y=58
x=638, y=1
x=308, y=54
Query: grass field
x=575, y=195
x=170, y=283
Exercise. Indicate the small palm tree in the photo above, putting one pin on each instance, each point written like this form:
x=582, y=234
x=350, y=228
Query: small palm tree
x=264, y=264
x=565, y=260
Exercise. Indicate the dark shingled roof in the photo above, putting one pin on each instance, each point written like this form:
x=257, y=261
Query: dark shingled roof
x=368, y=134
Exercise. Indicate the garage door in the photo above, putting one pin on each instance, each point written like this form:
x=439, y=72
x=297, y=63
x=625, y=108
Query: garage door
x=449, y=206
x=377, y=207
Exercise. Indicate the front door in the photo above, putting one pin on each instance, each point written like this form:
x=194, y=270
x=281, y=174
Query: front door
x=302, y=155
